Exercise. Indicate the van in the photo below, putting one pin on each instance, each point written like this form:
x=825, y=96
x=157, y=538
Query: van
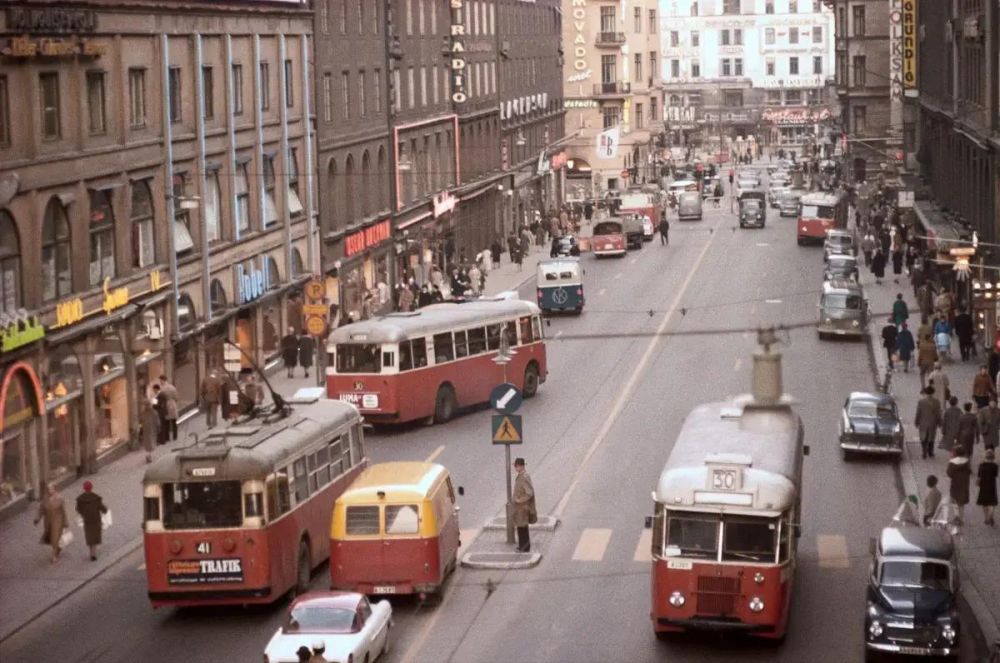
x=395, y=530
x=843, y=310
x=689, y=206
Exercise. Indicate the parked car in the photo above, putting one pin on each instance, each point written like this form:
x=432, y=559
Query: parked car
x=788, y=204
x=870, y=423
x=839, y=242
x=352, y=628
x=840, y=267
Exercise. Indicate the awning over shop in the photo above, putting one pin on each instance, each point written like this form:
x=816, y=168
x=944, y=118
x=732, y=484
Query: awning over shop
x=941, y=233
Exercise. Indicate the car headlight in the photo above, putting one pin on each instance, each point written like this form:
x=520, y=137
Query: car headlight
x=677, y=600
x=873, y=610
x=949, y=633
x=875, y=629
x=854, y=323
x=828, y=320
x=756, y=604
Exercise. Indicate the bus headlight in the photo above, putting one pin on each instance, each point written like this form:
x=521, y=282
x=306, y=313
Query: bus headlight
x=875, y=629
x=949, y=633
x=756, y=604
x=677, y=600
x=758, y=578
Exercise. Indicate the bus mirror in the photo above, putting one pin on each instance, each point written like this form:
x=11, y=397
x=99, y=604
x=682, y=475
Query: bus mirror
x=649, y=522
x=805, y=449
x=461, y=491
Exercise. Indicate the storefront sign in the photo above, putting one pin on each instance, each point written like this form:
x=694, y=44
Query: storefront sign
x=580, y=76
x=69, y=312
x=795, y=115
x=910, y=46
x=155, y=280
x=367, y=238
x=579, y=15
x=20, y=332
x=251, y=283
x=444, y=202
x=896, y=49
x=504, y=155
x=204, y=571
x=51, y=19
x=315, y=290
x=607, y=143
x=25, y=47
x=580, y=103
x=559, y=160
x=458, y=51
x=790, y=82
x=113, y=299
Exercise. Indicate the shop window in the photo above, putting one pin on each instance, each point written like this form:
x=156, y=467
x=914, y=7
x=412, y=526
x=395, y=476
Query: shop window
x=111, y=393
x=270, y=209
x=213, y=195
x=64, y=386
x=19, y=408
x=186, y=315
x=242, y=198
x=182, y=218
x=143, y=241
x=294, y=201
x=10, y=264
x=219, y=301
x=102, y=237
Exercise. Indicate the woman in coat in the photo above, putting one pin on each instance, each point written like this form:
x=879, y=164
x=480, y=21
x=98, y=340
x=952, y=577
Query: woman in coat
x=927, y=356
x=986, y=479
x=905, y=347
x=90, y=506
x=878, y=265
x=52, y=511
x=307, y=346
x=959, y=472
x=290, y=351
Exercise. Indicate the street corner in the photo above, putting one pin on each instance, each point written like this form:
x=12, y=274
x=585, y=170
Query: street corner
x=544, y=524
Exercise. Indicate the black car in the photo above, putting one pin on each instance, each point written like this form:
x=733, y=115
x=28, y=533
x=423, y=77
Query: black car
x=869, y=423
x=912, y=594
x=843, y=268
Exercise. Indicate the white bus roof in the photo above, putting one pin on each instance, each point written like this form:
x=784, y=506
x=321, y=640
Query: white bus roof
x=820, y=198
x=432, y=319
x=762, y=445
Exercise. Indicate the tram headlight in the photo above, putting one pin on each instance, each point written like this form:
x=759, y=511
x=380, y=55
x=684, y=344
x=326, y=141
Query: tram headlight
x=756, y=604
x=875, y=629
x=677, y=600
x=758, y=578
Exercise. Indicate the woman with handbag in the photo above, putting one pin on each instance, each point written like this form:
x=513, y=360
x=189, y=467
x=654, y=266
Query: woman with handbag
x=52, y=513
x=91, y=508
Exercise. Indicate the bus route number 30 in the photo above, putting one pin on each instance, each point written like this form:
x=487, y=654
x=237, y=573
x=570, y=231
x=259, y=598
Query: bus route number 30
x=724, y=479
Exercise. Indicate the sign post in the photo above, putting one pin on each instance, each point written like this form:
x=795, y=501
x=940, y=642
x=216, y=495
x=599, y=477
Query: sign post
x=506, y=425
x=315, y=312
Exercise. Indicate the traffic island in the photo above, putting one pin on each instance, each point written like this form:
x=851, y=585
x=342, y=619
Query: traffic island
x=501, y=560
x=544, y=524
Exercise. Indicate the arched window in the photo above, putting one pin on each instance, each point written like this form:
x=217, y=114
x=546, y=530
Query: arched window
x=298, y=269
x=367, y=194
x=332, y=210
x=141, y=212
x=10, y=264
x=350, y=189
x=186, y=315
x=219, y=301
x=382, y=179
x=102, y=238
x=675, y=100
x=273, y=275
x=57, y=279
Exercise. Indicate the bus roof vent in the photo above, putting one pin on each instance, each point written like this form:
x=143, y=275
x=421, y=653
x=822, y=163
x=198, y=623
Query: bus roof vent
x=729, y=459
x=307, y=395
x=257, y=436
x=767, y=385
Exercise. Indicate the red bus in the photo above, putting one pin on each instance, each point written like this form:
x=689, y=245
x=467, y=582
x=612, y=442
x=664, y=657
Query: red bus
x=243, y=515
x=428, y=363
x=819, y=212
x=725, y=524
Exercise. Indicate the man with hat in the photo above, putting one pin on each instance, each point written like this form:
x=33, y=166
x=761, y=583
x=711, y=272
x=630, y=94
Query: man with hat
x=524, y=512
x=318, y=647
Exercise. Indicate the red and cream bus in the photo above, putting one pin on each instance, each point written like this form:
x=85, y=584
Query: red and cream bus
x=725, y=524
x=428, y=363
x=819, y=212
x=243, y=515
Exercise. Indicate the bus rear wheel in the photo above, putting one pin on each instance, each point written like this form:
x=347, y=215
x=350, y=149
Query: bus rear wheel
x=444, y=404
x=530, y=381
x=304, y=570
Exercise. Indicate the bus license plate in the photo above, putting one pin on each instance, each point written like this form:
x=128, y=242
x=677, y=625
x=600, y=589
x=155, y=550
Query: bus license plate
x=384, y=589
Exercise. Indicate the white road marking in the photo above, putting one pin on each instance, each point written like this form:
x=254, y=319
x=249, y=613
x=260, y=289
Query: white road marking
x=772, y=301
x=625, y=395
x=437, y=452
x=466, y=537
x=558, y=334
x=738, y=364
x=643, y=549
x=832, y=551
x=141, y=567
x=592, y=544
x=763, y=244
x=618, y=275
x=602, y=291
x=633, y=261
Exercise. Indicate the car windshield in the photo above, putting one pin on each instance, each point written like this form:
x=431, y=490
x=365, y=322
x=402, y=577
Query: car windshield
x=934, y=575
x=852, y=302
x=202, y=505
x=319, y=619
x=692, y=535
x=839, y=240
x=608, y=228
x=751, y=205
x=358, y=358
x=870, y=410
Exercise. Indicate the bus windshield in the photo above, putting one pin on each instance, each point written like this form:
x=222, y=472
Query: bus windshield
x=693, y=535
x=744, y=538
x=358, y=358
x=749, y=538
x=817, y=212
x=202, y=505
x=608, y=228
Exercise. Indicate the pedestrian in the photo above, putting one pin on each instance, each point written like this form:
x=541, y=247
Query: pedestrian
x=964, y=330
x=150, y=424
x=526, y=238
x=926, y=357
x=495, y=250
x=968, y=430
x=938, y=379
x=986, y=479
x=878, y=266
x=210, y=397
x=927, y=421
x=911, y=258
x=897, y=263
x=161, y=413
x=905, y=346
x=169, y=393
x=664, y=231
x=318, y=649
x=525, y=512
x=933, y=499
x=900, y=311
x=960, y=473
x=253, y=391
x=270, y=336
x=889, y=335
x=950, y=424
x=91, y=507
x=290, y=351
x=554, y=249
x=475, y=278
x=982, y=387
x=516, y=256
x=989, y=424
x=304, y=654
x=868, y=248
x=405, y=299
x=307, y=347
x=52, y=513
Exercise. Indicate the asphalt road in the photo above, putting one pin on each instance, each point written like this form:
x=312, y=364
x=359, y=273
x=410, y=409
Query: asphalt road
x=664, y=329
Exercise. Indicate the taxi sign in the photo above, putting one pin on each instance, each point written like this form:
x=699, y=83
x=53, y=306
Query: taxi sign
x=507, y=429
x=506, y=398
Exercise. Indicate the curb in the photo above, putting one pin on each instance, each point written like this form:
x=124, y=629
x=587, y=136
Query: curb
x=501, y=560
x=544, y=524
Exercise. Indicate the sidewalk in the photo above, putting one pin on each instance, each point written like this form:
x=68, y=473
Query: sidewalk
x=978, y=544
x=30, y=585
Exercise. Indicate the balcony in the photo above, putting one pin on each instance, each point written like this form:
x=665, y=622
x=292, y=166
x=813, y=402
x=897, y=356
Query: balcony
x=612, y=89
x=610, y=39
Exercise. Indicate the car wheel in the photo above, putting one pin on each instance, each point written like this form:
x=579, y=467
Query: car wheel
x=444, y=404
x=530, y=386
x=303, y=571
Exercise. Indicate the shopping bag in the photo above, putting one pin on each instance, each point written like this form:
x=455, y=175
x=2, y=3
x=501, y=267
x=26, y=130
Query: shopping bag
x=66, y=538
x=106, y=519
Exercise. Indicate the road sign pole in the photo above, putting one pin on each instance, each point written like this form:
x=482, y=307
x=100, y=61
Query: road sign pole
x=510, y=502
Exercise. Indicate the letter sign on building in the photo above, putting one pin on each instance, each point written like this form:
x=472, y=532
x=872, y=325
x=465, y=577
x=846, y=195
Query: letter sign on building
x=910, y=46
x=458, y=94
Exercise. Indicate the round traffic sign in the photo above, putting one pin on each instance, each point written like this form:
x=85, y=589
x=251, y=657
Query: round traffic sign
x=506, y=398
x=315, y=325
x=315, y=289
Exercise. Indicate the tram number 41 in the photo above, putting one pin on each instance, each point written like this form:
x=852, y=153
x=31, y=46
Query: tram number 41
x=203, y=547
x=724, y=479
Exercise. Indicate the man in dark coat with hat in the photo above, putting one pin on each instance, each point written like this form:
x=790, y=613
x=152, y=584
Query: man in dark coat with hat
x=290, y=351
x=523, y=512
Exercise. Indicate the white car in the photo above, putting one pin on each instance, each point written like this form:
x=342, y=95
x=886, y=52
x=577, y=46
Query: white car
x=351, y=629
x=647, y=229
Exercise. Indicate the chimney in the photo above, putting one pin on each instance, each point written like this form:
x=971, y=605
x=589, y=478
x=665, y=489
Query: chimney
x=767, y=388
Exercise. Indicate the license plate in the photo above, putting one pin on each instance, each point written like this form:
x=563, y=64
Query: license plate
x=912, y=650
x=608, y=246
x=384, y=589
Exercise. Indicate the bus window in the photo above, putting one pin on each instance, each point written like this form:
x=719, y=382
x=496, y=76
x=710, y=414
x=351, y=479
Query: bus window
x=357, y=358
x=401, y=519
x=493, y=336
x=784, y=549
x=253, y=505
x=443, y=348
x=278, y=502
x=301, y=480
x=512, y=333
x=659, y=519
x=477, y=341
x=339, y=455
x=461, y=345
x=151, y=508
x=204, y=505
x=388, y=359
x=356, y=451
x=362, y=520
x=419, y=351
x=405, y=356
x=525, y=324
x=747, y=538
x=692, y=535
x=536, y=327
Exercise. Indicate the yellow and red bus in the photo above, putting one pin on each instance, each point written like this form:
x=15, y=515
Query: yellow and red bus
x=428, y=363
x=243, y=515
x=819, y=212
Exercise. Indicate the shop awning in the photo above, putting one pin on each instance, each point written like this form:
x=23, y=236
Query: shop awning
x=940, y=232
x=90, y=325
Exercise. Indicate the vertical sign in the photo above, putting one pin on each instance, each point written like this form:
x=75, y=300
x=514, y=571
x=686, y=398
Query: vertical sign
x=458, y=94
x=910, y=47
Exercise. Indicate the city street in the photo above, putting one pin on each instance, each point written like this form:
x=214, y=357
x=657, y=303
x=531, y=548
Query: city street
x=664, y=329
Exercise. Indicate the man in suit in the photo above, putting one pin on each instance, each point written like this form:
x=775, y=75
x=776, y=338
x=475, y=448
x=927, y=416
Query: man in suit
x=928, y=420
x=524, y=511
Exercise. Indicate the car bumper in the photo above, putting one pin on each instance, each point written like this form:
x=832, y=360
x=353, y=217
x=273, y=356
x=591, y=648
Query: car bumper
x=911, y=650
x=881, y=448
x=840, y=331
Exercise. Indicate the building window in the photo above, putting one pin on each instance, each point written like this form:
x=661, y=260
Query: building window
x=793, y=66
x=730, y=6
x=695, y=69
x=362, y=103
x=57, y=278
x=738, y=37
x=324, y=16
x=733, y=99
x=237, y=70
x=725, y=37
x=327, y=98
x=141, y=213
x=638, y=116
x=675, y=68
x=858, y=14
x=860, y=66
x=377, y=82
x=270, y=209
x=137, y=98
x=409, y=17
x=637, y=62
x=609, y=69
x=411, y=96
x=769, y=67
x=608, y=22
x=95, y=102
x=343, y=15
x=817, y=34
x=695, y=38
x=295, y=208
x=423, y=84
x=860, y=120
x=793, y=97
x=611, y=116
x=769, y=36
x=345, y=93
x=637, y=20
x=265, y=85
x=818, y=64
x=738, y=67
x=10, y=265
x=361, y=16
x=841, y=68
x=694, y=9
x=653, y=110
x=207, y=92
x=653, y=28
x=652, y=65
x=774, y=97
x=397, y=97
x=817, y=6
x=793, y=6
x=4, y=112
x=769, y=7
x=242, y=188
x=727, y=67
x=48, y=84
x=675, y=38
x=793, y=35
x=102, y=238
x=182, y=219
x=174, y=82
x=289, y=84
x=213, y=196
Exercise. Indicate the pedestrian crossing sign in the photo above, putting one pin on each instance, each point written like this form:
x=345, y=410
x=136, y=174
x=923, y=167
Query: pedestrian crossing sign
x=507, y=429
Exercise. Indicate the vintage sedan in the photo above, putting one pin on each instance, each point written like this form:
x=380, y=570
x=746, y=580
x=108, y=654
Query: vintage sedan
x=841, y=267
x=870, y=423
x=352, y=629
